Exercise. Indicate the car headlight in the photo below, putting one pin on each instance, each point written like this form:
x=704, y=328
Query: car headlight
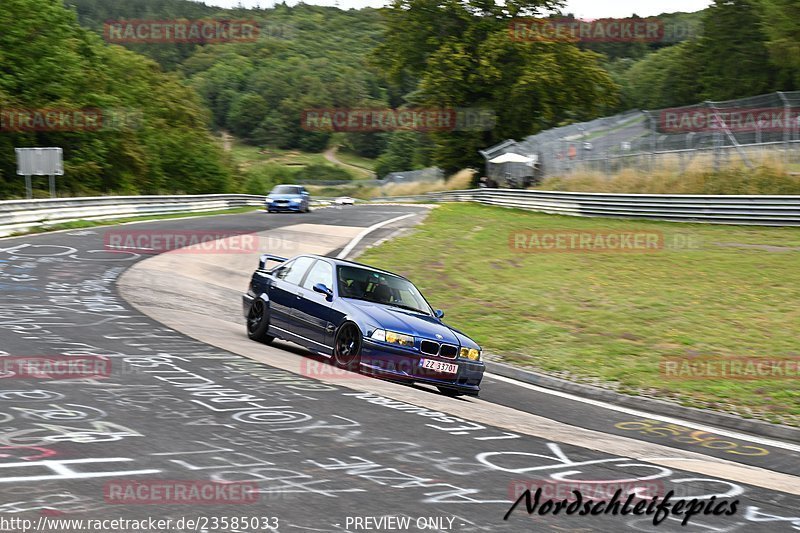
x=269, y=200
x=295, y=200
x=392, y=338
x=471, y=353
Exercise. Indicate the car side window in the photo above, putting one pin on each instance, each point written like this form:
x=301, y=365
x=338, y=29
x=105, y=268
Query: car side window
x=321, y=272
x=298, y=270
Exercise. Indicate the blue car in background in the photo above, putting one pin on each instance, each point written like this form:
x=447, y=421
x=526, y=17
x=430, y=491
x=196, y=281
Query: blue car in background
x=363, y=319
x=288, y=198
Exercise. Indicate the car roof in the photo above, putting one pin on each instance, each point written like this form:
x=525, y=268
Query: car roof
x=345, y=262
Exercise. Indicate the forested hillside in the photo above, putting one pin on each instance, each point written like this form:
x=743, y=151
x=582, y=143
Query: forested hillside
x=744, y=48
x=49, y=62
x=413, y=53
x=94, y=13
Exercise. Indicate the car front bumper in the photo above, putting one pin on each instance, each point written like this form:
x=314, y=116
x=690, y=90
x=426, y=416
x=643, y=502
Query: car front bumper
x=284, y=207
x=395, y=363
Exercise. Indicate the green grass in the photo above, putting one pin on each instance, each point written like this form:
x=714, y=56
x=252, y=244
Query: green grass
x=248, y=158
x=610, y=318
x=356, y=160
x=80, y=224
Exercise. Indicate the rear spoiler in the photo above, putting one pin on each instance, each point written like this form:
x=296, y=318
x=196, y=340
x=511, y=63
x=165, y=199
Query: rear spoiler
x=262, y=261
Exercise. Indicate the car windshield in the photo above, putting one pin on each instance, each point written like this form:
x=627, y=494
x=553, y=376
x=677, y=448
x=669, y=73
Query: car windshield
x=382, y=288
x=286, y=189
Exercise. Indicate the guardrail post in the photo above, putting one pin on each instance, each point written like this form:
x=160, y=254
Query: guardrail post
x=787, y=109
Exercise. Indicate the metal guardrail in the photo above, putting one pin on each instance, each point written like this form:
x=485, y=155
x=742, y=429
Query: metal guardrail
x=23, y=215
x=761, y=210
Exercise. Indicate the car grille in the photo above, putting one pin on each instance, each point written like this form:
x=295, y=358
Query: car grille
x=449, y=351
x=433, y=348
x=429, y=347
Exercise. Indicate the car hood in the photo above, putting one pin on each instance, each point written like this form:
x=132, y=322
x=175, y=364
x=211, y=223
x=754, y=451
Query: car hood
x=408, y=322
x=285, y=196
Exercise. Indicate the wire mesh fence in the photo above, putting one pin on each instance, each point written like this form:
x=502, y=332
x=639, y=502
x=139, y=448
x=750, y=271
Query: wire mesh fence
x=704, y=136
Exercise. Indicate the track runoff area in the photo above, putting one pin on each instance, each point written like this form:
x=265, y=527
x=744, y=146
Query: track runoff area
x=169, y=419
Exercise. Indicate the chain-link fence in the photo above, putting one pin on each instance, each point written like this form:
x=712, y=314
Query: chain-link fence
x=709, y=135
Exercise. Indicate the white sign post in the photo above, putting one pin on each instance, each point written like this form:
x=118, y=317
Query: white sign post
x=40, y=162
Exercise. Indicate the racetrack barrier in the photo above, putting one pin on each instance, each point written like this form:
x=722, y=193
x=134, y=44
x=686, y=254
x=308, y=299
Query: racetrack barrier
x=761, y=210
x=23, y=215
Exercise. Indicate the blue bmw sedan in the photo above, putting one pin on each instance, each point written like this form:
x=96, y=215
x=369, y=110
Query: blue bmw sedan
x=288, y=198
x=363, y=319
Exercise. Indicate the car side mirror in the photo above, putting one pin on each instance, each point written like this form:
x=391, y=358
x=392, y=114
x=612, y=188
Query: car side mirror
x=321, y=288
x=439, y=313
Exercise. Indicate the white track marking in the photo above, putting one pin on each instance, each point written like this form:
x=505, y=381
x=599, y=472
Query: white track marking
x=349, y=248
x=710, y=429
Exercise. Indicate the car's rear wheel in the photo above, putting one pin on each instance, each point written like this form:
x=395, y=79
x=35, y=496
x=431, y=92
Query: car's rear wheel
x=258, y=322
x=452, y=393
x=347, y=347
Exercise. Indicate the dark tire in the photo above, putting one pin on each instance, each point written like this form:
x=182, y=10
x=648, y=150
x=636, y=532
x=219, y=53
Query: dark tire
x=258, y=322
x=347, y=347
x=452, y=393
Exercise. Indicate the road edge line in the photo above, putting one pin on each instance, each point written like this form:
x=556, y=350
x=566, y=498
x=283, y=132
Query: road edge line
x=660, y=407
x=360, y=237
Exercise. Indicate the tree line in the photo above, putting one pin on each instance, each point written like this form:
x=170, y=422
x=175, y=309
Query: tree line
x=413, y=53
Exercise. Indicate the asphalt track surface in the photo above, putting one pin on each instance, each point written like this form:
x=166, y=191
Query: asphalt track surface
x=325, y=450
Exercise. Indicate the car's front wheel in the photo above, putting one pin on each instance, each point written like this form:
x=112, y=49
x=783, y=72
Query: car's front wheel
x=258, y=322
x=347, y=347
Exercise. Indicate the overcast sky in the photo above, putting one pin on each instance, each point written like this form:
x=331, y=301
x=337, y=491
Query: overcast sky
x=581, y=8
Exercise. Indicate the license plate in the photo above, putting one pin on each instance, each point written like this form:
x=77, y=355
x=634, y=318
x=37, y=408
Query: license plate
x=430, y=364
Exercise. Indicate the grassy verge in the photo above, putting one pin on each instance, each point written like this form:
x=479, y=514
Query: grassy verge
x=611, y=318
x=248, y=156
x=356, y=160
x=459, y=180
x=770, y=175
x=81, y=224
x=269, y=166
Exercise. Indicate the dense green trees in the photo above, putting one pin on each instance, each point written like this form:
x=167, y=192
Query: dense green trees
x=432, y=53
x=463, y=57
x=259, y=90
x=48, y=62
x=746, y=47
